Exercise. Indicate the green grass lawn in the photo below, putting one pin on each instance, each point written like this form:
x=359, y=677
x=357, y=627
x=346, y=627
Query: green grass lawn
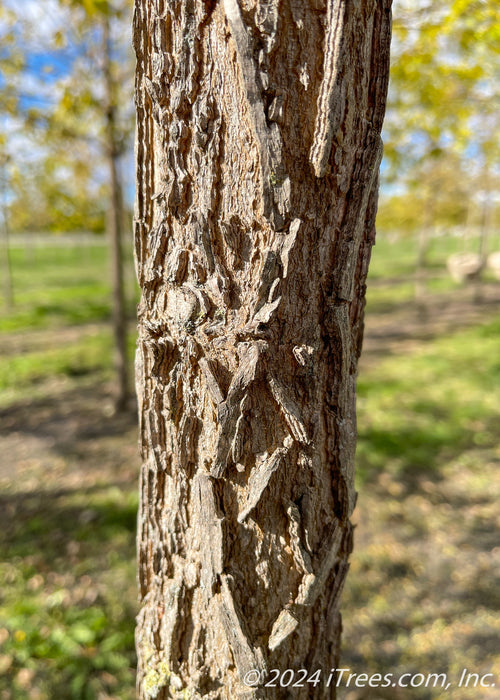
x=418, y=410
x=68, y=595
x=54, y=287
x=420, y=595
x=67, y=543
x=60, y=322
x=396, y=256
x=391, y=278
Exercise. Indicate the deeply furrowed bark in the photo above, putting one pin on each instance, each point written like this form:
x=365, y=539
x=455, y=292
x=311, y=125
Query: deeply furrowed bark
x=258, y=148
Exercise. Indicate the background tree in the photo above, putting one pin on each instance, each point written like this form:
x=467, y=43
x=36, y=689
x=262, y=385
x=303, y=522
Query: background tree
x=81, y=129
x=63, y=194
x=442, y=115
x=4, y=233
x=258, y=148
x=11, y=61
x=102, y=104
x=443, y=96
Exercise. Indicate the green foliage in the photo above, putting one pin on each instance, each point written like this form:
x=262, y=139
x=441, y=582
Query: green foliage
x=62, y=192
x=12, y=62
x=439, y=197
x=91, y=7
x=442, y=128
x=62, y=175
x=445, y=59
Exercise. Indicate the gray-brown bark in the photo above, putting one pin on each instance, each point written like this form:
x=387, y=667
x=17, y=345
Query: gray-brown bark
x=258, y=147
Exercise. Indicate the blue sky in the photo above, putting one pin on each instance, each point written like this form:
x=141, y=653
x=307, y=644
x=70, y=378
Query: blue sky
x=47, y=64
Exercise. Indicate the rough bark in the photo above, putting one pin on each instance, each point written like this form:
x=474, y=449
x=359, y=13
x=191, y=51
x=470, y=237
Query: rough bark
x=258, y=148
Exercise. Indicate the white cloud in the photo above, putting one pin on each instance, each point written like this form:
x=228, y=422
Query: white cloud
x=46, y=17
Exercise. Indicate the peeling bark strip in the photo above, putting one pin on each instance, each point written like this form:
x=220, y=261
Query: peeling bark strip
x=329, y=103
x=258, y=147
x=259, y=479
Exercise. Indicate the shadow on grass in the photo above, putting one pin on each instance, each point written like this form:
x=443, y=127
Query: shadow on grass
x=73, y=419
x=87, y=312
x=67, y=543
x=41, y=521
x=410, y=453
x=398, y=320
x=68, y=592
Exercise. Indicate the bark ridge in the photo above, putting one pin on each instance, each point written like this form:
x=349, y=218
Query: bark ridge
x=257, y=169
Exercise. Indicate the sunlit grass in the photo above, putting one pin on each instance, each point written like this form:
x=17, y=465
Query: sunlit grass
x=68, y=595
x=420, y=592
x=87, y=355
x=54, y=287
x=414, y=411
x=421, y=595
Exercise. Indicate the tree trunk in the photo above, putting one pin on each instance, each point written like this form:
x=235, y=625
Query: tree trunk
x=484, y=232
x=485, y=227
x=258, y=148
x=115, y=229
x=421, y=263
x=8, y=292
